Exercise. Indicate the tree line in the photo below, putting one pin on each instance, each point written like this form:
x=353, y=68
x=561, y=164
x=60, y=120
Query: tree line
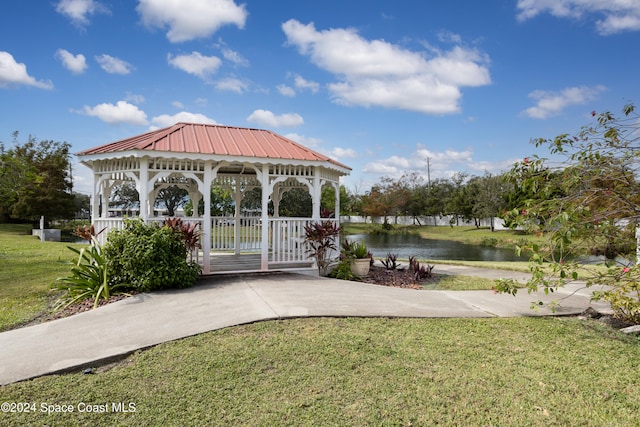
x=462, y=197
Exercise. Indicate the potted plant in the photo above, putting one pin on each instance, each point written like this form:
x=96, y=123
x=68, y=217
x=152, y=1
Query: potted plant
x=361, y=259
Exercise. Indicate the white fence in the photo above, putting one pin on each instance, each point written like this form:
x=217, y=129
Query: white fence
x=109, y=224
x=287, y=239
x=225, y=232
x=439, y=221
x=285, y=236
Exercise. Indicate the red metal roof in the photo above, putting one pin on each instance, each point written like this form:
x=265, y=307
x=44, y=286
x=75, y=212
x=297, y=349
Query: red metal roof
x=216, y=140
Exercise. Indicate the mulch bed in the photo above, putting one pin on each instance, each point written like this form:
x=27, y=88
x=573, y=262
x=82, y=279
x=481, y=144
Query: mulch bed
x=395, y=278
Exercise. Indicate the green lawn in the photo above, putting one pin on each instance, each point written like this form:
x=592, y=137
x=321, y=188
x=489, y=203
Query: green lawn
x=361, y=372
x=459, y=283
x=520, y=372
x=28, y=267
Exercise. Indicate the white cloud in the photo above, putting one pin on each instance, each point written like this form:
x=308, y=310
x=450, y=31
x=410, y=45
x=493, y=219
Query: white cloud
x=134, y=98
x=343, y=153
x=195, y=63
x=122, y=112
x=78, y=11
x=449, y=37
x=113, y=65
x=191, y=20
x=232, y=85
x=301, y=83
x=77, y=64
x=441, y=164
x=82, y=178
x=15, y=73
x=235, y=57
x=286, y=90
x=165, y=120
x=178, y=104
x=615, y=15
x=267, y=118
x=378, y=73
x=550, y=103
x=304, y=140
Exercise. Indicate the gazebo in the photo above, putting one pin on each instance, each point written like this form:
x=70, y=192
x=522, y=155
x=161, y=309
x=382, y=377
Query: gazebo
x=199, y=157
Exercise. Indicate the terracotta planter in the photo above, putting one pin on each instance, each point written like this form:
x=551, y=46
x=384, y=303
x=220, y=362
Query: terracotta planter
x=360, y=267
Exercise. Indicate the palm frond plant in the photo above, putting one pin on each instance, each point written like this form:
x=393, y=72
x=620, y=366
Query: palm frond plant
x=88, y=279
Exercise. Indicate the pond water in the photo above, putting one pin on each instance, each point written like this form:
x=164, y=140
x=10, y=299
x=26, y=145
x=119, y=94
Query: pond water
x=406, y=245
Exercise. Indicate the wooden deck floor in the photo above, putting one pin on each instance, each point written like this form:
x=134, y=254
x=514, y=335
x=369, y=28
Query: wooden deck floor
x=231, y=262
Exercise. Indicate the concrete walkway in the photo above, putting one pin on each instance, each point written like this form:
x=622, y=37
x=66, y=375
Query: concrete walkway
x=117, y=329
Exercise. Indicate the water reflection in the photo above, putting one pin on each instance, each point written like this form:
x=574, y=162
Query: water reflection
x=406, y=245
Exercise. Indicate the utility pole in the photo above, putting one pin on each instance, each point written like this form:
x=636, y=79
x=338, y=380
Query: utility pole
x=429, y=173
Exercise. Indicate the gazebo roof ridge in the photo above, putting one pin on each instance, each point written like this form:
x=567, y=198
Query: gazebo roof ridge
x=215, y=139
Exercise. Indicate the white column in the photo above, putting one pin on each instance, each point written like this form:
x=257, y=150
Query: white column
x=315, y=193
x=194, y=196
x=337, y=198
x=106, y=196
x=95, y=202
x=276, y=196
x=143, y=188
x=206, y=217
x=264, y=181
x=237, y=199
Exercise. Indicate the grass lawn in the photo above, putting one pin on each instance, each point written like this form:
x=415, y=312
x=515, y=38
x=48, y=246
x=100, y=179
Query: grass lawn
x=332, y=371
x=459, y=283
x=464, y=234
x=29, y=266
x=361, y=372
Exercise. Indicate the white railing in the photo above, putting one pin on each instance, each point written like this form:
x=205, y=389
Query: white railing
x=109, y=224
x=286, y=236
x=225, y=232
x=106, y=224
x=287, y=239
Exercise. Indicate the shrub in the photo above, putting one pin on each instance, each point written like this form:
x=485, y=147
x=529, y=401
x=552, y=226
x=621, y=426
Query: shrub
x=342, y=271
x=149, y=257
x=189, y=233
x=354, y=250
x=420, y=272
x=489, y=242
x=321, y=240
x=89, y=277
x=390, y=263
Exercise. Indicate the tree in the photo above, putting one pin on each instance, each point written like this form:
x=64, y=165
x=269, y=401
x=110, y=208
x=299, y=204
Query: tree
x=124, y=196
x=437, y=195
x=414, y=191
x=460, y=203
x=35, y=180
x=82, y=206
x=590, y=205
x=172, y=198
x=296, y=202
x=489, y=197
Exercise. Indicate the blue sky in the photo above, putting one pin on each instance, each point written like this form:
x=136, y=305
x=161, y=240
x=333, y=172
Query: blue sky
x=381, y=86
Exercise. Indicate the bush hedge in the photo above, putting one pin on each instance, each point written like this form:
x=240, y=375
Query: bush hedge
x=149, y=257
